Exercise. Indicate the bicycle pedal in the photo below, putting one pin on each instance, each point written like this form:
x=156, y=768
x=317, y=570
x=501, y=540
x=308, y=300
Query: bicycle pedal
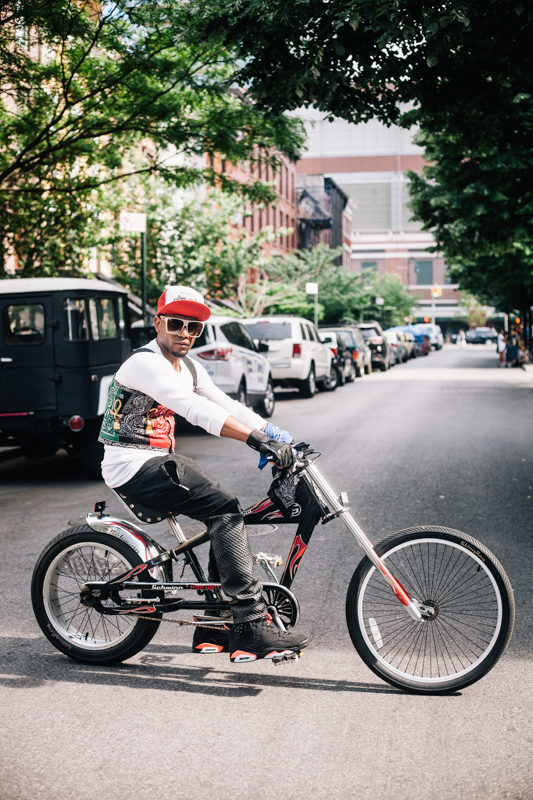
x=291, y=657
x=268, y=558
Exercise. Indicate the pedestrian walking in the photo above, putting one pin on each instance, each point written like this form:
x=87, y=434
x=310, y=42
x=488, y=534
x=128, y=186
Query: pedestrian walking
x=501, y=345
x=461, y=339
x=511, y=352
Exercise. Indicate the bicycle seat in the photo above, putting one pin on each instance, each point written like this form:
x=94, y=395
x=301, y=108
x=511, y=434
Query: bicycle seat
x=141, y=511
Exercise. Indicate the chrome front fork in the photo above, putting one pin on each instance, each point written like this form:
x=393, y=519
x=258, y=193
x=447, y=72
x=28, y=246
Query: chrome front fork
x=337, y=507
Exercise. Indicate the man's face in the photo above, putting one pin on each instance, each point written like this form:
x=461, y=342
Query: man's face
x=175, y=345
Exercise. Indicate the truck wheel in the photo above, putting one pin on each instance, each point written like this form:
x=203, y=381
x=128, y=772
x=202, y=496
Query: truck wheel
x=308, y=386
x=91, y=452
x=39, y=447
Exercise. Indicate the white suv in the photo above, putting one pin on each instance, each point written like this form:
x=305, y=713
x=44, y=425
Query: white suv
x=297, y=356
x=232, y=361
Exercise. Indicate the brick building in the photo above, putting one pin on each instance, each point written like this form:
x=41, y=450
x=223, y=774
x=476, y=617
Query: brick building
x=368, y=163
x=324, y=215
x=282, y=213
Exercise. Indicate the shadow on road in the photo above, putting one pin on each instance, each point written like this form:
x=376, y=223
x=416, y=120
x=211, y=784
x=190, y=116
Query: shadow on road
x=30, y=669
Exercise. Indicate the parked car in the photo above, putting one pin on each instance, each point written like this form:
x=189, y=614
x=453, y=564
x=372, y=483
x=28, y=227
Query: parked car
x=481, y=335
x=398, y=348
x=342, y=357
x=422, y=342
x=434, y=332
x=234, y=364
x=297, y=357
x=354, y=341
x=377, y=341
x=62, y=341
x=407, y=343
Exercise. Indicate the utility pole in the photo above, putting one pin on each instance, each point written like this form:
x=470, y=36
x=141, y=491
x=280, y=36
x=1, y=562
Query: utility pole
x=143, y=274
x=134, y=222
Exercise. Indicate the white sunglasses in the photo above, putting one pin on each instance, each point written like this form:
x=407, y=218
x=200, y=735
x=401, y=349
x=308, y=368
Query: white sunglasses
x=175, y=326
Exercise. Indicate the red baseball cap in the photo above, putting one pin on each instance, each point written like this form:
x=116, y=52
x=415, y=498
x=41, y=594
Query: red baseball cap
x=183, y=301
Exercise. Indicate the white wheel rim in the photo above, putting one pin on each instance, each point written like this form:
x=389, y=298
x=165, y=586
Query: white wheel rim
x=83, y=627
x=375, y=635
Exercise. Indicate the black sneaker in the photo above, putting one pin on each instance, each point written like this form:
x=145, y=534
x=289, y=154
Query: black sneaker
x=263, y=639
x=207, y=640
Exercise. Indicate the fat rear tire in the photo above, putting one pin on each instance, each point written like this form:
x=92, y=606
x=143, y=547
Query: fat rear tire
x=65, y=622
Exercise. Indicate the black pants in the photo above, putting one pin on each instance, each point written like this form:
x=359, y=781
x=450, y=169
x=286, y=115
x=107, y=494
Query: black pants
x=175, y=483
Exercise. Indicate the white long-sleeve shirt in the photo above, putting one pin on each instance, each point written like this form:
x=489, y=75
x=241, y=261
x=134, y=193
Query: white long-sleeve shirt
x=153, y=375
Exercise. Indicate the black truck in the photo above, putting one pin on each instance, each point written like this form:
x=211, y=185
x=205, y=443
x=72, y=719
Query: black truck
x=62, y=340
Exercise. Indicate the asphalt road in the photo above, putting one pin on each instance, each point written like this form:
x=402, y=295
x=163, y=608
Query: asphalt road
x=445, y=440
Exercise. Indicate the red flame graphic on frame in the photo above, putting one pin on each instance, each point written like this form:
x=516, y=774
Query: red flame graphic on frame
x=297, y=551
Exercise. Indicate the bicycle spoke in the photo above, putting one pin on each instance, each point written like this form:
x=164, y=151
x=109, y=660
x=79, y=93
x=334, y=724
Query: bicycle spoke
x=463, y=601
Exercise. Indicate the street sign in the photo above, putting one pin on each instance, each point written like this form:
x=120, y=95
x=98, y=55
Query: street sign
x=132, y=222
x=380, y=301
x=311, y=288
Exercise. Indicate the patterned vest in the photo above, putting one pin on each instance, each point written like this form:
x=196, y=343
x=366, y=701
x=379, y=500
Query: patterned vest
x=134, y=419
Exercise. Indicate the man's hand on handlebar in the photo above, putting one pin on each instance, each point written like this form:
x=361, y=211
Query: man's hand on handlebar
x=279, y=453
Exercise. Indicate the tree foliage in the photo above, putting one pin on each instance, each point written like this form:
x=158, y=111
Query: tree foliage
x=191, y=239
x=462, y=72
x=342, y=296
x=85, y=85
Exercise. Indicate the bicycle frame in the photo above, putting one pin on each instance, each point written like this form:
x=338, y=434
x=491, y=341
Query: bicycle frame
x=315, y=500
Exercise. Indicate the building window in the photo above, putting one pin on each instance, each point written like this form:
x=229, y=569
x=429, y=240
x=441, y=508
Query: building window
x=368, y=265
x=252, y=220
x=424, y=271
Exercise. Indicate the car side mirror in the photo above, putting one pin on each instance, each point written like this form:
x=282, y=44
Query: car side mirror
x=262, y=347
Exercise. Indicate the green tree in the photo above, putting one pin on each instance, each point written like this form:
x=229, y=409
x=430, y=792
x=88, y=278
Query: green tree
x=342, y=296
x=462, y=72
x=192, y=240
x=479, y=205
x=86, y=85
x=397, y=305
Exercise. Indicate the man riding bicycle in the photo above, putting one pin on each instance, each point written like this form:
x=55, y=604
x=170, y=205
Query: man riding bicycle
x=141, y=465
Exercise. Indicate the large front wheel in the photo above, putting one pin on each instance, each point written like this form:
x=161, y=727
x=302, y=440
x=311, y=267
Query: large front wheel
x=72, y=559
x=470, y=611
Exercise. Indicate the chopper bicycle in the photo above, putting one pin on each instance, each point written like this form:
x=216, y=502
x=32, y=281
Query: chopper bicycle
x=429, y=609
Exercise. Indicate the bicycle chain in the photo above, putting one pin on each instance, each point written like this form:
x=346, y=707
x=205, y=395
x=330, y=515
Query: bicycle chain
x=179, y=622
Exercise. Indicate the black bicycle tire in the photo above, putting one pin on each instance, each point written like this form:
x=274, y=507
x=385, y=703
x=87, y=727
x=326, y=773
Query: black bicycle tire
x=142, y=631
x=454, y=684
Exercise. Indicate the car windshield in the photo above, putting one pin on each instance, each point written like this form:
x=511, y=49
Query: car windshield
x=369, y=333
x=346, y=337
x=269, y=330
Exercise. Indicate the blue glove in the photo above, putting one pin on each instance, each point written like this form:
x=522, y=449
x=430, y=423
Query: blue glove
x=274, y=433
